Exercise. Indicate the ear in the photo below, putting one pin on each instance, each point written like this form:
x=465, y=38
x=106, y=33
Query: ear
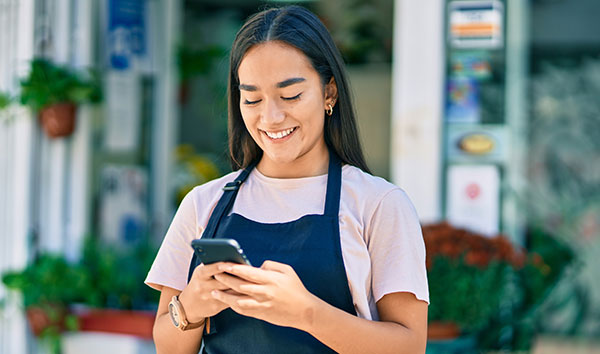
x=331, y=93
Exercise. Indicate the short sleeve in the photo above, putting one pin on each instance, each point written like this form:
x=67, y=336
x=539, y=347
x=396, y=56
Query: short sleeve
x=170, y=267
x=397, y=248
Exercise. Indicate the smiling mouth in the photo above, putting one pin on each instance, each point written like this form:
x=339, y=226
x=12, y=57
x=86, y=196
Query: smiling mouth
x=280, y=134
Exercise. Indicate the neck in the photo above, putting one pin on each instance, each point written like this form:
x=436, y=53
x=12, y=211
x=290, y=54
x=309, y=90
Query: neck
x=303, y=166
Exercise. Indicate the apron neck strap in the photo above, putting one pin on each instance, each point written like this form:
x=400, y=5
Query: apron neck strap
x=226, y=202
x=334, y=185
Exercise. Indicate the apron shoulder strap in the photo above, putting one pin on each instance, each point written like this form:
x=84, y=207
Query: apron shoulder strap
x=334, y=185
x=222, y=208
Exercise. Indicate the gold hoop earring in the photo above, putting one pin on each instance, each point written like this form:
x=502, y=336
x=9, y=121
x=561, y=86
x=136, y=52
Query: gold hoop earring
x=330, y=110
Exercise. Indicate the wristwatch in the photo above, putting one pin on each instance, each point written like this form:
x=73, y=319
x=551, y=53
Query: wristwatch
x=178, y=316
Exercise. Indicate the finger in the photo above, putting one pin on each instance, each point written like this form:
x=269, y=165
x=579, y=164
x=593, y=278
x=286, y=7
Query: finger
x=226, y=297
x=214, y=284
x=276, y=266
x=256, y=290
x=232, y=292
x=230, y=281
x=206, y=271
x=239, y=303
x=252, y=304
x=246, y=272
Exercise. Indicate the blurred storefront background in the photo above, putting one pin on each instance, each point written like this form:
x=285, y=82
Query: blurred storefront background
x=485, y=111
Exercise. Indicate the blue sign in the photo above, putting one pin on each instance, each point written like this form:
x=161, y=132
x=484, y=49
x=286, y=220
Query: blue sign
x=126, y=32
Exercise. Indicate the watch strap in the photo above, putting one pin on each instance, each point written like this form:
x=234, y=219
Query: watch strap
x=185, y=324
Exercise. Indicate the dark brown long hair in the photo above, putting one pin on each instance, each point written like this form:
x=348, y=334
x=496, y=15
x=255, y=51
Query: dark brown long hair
x=301, y=29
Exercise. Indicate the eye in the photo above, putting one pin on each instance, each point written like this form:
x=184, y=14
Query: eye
x=251, y=102
x=292, y=98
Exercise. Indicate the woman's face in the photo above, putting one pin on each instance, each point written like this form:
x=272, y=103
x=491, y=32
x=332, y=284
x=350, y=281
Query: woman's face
x=283, y=104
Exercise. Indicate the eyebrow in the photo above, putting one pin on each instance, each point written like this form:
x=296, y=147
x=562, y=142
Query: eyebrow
x=282, y=84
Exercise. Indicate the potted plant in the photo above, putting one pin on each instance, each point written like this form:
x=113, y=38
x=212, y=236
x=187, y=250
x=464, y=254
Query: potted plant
x=118, y=301
x=467, y=275
x=103, y=292
x=48, y=285
x=5, y=100
x=546, y=261
x=54, y=92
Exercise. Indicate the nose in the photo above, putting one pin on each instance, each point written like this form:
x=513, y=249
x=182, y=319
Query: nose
x=272, y=113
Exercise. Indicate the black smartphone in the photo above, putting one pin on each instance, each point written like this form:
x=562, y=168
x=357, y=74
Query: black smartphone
x=219, y=250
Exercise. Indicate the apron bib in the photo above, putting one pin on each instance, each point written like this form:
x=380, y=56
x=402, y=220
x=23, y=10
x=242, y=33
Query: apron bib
x=311, y=245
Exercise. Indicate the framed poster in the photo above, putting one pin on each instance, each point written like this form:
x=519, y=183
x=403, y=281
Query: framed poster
x=123, y=203
x=123, y=111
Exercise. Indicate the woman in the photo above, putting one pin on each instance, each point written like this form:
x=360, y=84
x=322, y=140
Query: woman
x=342, y=260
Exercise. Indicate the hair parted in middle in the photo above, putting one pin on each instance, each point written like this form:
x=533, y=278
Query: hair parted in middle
x=300, y=28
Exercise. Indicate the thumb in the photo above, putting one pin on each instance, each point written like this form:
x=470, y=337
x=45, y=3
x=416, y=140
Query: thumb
x=276, y=266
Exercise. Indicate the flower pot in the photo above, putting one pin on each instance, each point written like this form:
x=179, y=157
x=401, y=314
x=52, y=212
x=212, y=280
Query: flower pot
x=184, y=92
x=442, y=330
x=43, y=317
x=136, y=323
x=58, y=120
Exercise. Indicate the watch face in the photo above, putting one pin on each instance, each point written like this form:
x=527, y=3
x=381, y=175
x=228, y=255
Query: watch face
x=173, y=311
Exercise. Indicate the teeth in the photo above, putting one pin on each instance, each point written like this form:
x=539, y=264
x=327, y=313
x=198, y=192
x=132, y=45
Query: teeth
x=280, y=134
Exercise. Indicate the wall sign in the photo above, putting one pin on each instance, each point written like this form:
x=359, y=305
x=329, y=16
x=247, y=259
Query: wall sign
x=473, y=198
x=481, y=143
x=475, y=24
x=123, y=213
x=126, y=32
x=462, y=103
x=476, y=144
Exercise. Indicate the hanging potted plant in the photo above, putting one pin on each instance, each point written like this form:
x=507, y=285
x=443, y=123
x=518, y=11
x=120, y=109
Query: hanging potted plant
x=54, y=92
x=5, y=100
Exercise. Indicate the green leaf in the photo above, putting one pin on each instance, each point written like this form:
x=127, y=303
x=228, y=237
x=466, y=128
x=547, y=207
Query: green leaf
x=49, y=84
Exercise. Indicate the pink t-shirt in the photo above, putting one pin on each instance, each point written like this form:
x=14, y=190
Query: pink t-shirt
x=382, y=244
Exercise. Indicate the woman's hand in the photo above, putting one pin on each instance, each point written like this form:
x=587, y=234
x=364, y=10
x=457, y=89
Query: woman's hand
x=272, y=293
x=196, y=298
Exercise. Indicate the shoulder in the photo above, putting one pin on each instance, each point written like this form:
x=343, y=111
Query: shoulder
x=384, y=209
x=371, y=189
x=202, y=199
x=212, y=188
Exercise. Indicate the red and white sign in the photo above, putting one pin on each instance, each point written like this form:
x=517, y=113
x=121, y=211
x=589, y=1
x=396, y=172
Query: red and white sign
x=473, y=198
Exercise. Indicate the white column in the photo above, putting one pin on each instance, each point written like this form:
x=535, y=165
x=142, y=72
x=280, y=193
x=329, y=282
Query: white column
x=55, y=158
x=15, y=207
x=167, y=17
x=417, y=103
x=517, y=54
x=61, y=29
x=78, y=189
x=16, y=134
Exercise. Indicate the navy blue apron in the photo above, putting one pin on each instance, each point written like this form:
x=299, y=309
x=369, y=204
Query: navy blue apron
x=311, y=245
